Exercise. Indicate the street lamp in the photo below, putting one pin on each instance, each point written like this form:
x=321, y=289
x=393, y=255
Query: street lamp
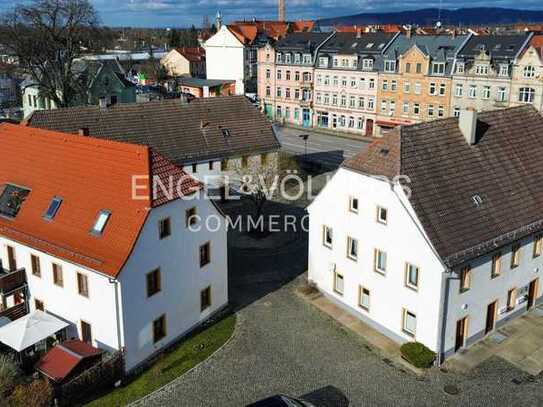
x=304, y=137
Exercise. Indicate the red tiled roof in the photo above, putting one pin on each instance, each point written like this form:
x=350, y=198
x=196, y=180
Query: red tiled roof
x=60, y=361
x=89, y=175
x=196, y=54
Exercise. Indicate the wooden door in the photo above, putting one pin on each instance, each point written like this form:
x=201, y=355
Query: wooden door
x=369, y=127
x=12, y=263
x=490, y=317
x=532, y=292
x=461, y=326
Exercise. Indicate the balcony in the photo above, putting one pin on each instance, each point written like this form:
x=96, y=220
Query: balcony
x=11, y=280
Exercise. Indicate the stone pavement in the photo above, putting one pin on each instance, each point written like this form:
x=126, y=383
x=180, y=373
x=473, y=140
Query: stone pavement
x=519, y=342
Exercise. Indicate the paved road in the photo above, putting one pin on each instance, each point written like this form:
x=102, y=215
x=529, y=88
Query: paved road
x=328, y=150
x=284, y=345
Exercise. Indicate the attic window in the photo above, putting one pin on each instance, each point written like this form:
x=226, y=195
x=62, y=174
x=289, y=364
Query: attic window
x=477, y=200
x=354, y=45
x=12, y=199
x=53, y=208
x=225, y=132
x=101, y=222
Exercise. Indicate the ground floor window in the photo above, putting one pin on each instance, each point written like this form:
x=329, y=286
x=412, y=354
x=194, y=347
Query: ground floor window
x=338, y=283
x=409, y=322
x=360, y=123
x=364, y=298
x=322, y=119
x=205, y=299
x=159, y=328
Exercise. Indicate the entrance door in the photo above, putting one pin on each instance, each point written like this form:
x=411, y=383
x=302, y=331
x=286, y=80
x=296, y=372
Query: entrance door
x=461, y=326
x=490, y=317
x=532, y=292
x=369, y=127
x=306, y=118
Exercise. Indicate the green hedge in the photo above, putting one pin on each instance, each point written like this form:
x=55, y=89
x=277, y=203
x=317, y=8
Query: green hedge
x=417, y=354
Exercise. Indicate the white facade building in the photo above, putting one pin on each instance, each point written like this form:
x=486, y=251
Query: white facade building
x=127, y=268
x=433, y=258
x=225, y=58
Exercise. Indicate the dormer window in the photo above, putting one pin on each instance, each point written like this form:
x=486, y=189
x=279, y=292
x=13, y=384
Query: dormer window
x=11, y=200
x=101, y=221
x=307, y=59
x=287, y=58
x=279, y=57
x=529, y=72
x=390, y=66
x=438, y=68
x=481, y=69
x=460, y=67
x=367, y=64
x=323, y=62
x=504, y=70
x=53, y=208
x=297, y=58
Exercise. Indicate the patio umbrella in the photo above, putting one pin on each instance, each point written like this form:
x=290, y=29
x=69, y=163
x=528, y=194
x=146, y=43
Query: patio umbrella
x=30, y=329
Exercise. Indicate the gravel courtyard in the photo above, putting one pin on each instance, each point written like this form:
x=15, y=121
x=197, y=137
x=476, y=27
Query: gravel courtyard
x=283, y=345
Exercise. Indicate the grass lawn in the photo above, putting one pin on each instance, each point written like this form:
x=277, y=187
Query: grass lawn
x=171, y=365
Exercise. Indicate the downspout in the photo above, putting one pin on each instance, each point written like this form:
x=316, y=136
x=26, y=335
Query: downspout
x=117, y=312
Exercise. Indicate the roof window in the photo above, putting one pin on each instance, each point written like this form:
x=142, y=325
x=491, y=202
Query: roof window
x=11, y=200
x=225, y=132
x=53, y=208
x=477, y=200
x=101, y=221
x=370, y=45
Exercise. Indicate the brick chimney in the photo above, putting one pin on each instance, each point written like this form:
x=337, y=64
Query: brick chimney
x=281, y=10
x=468, y=124
x=409, y=31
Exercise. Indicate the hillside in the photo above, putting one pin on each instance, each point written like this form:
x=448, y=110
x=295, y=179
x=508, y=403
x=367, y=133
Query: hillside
x=463, y=16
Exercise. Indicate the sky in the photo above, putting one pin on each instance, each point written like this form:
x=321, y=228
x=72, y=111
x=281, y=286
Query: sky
x=183, y=13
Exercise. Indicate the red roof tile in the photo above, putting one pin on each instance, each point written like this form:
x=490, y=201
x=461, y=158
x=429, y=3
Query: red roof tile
x=89, y=175
x=60, y=361
x=196, y=54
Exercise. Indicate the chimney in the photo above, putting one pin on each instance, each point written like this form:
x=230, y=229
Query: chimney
x=103, y=103
x=358, y=31
x=454, y=33
x=84, y=131
x=281, y=11
x=408, y=33
x=468, y=124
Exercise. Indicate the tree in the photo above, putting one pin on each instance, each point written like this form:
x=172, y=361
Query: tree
x=9, y=375
x=38, y=393
x=47, y=36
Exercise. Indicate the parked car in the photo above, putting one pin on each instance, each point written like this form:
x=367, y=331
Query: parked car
x=281, y=401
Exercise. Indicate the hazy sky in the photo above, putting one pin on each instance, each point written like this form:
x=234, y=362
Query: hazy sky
x=166, y=13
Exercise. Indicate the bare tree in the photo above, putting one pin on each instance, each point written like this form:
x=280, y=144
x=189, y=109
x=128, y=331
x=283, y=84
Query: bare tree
x=47, y=36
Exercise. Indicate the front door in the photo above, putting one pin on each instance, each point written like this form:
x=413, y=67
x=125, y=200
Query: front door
x=306, y=118
x=461, y=326
x=490, y=317
x=369, y=127
x=532, y=292
x=269, y=111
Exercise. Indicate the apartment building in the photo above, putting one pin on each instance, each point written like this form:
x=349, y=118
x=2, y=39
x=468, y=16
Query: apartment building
x=103, y=246
x=346, y=81
x=415, y=82
x=483, y=72
x=442, y=257
x=527, y=82
x=285, y=80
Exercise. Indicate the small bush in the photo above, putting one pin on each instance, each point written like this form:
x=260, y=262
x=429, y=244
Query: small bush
x=9, y=374
x=417, y=354
x=39, y=393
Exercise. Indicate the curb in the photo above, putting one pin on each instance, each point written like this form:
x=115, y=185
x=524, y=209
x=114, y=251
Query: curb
x=141, y=401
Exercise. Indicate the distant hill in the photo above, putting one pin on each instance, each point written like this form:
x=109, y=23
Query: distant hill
x=462, y=16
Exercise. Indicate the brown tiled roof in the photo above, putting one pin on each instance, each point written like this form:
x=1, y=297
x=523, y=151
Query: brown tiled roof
x=503, y=168
x=182, y=132
x=196, y=54
x=89, y=175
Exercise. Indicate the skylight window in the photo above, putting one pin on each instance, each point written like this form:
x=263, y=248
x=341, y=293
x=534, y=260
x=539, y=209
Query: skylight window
x=101, y=222
x=53, y=208
x=370, y=45
x=477, y=200
x=11, y=200
x=225, y=132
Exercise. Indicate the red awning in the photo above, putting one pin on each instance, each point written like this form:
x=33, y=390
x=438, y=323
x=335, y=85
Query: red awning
x=59, y=362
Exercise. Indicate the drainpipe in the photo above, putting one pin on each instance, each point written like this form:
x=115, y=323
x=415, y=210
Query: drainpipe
x=117, y=312
x=443, y=311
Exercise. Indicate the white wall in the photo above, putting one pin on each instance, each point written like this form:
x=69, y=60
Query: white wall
x=400, y=239
x=181, y=275
x=485, y=290
x=225, y=58
x=65, y=302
